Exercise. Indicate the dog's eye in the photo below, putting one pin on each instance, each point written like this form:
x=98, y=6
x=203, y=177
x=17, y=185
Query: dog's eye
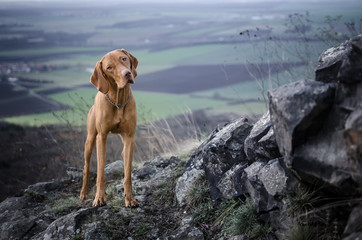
x=124, y=59
x=109, y=68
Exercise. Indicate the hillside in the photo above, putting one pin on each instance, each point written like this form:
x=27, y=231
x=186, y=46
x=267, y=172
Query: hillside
x=294, y=174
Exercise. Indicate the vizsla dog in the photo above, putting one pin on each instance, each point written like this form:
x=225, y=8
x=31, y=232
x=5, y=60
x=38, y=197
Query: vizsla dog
x=114, y=111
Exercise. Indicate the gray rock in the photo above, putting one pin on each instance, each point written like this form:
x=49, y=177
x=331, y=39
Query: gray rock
x=187, y=231
x=238, y=237
x=261, y=143
x=353, y=136
x=222, y=151
x=274, y=178
x=95, y=230
x=332, y=155
x=266, y=181
x=342, y=63
x=185, y=183
x=44, y=189
x=354, y=224
x=13, y=203
x=262, y=200
x=15, y=224
x=192, y=171
x=114, y=170
x=232, y=183
x=297, y=112
x=66, y=227
x=74, y=173
x=354, y=236
x=281, y=222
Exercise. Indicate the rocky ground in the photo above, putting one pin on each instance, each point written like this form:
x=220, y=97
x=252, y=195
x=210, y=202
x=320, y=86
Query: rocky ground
x=294, y=174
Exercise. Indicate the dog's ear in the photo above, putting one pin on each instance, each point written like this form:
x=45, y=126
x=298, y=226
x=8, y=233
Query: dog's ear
x=98, y=79
x=134, y=62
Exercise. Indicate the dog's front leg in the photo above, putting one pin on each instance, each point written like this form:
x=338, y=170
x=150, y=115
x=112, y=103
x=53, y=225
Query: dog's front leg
x=88, y=148
x=127, y=155
x=100, y=198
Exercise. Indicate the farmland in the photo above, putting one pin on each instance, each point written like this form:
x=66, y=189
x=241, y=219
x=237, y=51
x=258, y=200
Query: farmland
x=191, y=56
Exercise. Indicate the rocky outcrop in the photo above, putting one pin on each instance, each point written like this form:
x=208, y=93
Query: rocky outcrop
x=317, y=123
x=52, y=210
x=311, y=136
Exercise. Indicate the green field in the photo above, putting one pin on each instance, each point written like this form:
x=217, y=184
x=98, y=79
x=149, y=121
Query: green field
x=72, y=38
x=150, y=106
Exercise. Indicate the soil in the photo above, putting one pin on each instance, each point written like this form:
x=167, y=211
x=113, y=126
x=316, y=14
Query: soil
x=27, y=156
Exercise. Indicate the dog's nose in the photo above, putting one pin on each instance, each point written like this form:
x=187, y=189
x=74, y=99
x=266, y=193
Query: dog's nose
x=126, y=73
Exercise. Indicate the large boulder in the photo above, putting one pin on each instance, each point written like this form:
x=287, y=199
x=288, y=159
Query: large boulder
x=318, y=124
x=342, y=63
x=297, y=112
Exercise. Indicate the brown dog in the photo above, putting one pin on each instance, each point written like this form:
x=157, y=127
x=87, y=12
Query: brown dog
x=114, y=111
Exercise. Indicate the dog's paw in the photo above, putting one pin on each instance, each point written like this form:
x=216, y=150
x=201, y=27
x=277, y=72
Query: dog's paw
x=99, y=201
x=83, y=195
x=130, y=202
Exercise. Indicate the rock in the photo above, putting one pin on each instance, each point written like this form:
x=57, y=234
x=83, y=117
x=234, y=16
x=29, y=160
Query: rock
x=75, y=173
x=114, y=170
x=342, y=63
x=281, y=222
x=95, y=230
x=267, y=182
x=231, y=185
x=354, y=225
x=186, y=182
x=262, y=200
x=66, y=227
x=44, y=190
x=261, y=143
x=275, y=180
x=332, y=154
x=14, y=203
x=187, y=231
x=15, y=224
x=147, y=178
x=192, y=171
x=353, y=136
x=238, y=237
x=222, y=151
x=297, y=112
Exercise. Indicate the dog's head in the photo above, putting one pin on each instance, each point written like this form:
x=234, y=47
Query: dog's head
x=116, y=67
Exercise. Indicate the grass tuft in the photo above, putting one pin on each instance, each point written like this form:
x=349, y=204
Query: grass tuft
x=243, y=220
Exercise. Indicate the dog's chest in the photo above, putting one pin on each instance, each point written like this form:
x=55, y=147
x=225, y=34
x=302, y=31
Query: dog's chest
x=120, y=123
x=118, y=126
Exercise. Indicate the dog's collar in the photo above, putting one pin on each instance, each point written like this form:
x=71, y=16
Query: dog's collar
x=119, y=106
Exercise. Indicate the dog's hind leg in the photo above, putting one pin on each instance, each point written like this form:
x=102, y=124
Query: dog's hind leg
x=127, y=155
